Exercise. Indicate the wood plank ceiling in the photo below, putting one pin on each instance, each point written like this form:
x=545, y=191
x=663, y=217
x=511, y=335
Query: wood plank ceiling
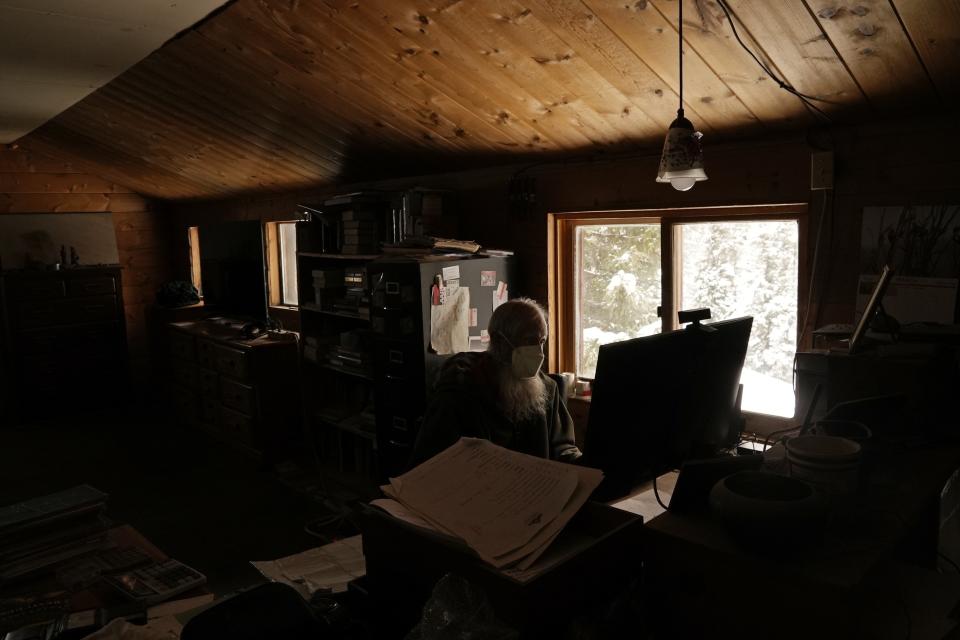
x=284, y=94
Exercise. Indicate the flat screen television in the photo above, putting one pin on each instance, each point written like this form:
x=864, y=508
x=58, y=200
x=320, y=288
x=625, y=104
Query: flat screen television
x=232, y=269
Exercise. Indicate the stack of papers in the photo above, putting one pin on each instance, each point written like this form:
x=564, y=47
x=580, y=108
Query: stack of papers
x=506, y=506
x=327, y=569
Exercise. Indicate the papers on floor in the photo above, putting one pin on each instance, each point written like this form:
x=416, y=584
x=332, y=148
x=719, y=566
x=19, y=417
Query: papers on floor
x=328, y=568
x=506, y=506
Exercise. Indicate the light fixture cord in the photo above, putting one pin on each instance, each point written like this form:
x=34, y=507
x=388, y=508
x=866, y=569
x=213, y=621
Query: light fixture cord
x=680, y=56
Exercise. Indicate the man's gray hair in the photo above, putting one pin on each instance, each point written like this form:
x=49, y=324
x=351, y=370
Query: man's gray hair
x=514, y=319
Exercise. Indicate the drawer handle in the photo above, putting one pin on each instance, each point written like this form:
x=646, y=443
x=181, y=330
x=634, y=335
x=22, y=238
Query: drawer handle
x=400, y=445
x=394, y=378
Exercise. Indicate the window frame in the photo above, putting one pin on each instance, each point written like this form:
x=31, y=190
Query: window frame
x=274, y=248
x=562, y=263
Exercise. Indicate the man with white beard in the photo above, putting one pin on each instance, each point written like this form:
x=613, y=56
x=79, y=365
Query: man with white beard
x=500, y=394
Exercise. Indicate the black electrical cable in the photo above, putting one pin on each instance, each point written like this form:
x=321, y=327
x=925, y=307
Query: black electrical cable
x=813, y=266
x=781, y=83
x=680, y=56
x=656, y=493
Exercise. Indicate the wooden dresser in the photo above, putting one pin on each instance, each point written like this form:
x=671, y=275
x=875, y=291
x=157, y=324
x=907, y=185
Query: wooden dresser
x=64, y=340
x=243, y=391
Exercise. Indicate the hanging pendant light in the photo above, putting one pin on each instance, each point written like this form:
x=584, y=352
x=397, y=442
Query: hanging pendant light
x=681, y=163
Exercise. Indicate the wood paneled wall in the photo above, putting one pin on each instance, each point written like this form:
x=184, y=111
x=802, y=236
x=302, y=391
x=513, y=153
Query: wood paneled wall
x=35, y=183
x=900, y=162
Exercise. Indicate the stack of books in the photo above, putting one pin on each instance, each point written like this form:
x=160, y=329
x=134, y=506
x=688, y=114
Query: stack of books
x=355, y=299
x=326, y=284
x=359, y=232
x=41, y=533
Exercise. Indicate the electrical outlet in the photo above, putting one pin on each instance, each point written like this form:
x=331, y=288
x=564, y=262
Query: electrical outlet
x=821, y=170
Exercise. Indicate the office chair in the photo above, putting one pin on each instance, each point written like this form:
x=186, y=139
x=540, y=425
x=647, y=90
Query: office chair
x=268, y=611
x=561, y=386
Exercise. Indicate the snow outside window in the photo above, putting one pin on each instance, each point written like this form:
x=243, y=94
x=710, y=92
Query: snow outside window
x=734, y=268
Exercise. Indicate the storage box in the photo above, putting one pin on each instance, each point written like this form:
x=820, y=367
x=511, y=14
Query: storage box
x=602, y=552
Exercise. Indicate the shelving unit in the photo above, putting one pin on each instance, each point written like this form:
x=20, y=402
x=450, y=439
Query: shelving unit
x=337, y=371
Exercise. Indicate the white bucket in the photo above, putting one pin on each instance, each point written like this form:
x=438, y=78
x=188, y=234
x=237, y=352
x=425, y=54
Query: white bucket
x=829, y=462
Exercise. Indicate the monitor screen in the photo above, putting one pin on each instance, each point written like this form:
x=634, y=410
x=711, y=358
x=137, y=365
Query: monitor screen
x=876, y=296
x=661, y=399
x=232, y=268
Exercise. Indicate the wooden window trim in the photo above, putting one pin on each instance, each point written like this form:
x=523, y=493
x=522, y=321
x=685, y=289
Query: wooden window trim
x=561, y=257
x=193, y=245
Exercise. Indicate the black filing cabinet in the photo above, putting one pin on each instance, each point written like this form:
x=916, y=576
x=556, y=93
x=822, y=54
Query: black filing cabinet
x=405, y=366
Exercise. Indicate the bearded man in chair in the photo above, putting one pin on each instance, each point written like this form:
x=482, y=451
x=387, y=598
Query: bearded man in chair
x=501, y=394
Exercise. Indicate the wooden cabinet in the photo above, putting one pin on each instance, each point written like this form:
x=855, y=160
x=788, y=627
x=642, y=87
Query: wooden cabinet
x=244, y=391
x=64, y=340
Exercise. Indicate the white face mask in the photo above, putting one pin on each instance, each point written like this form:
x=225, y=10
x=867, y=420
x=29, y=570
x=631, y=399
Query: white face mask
x=526, y=360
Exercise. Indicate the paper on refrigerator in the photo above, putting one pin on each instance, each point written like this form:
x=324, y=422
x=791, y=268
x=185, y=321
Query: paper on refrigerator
x=450, y=323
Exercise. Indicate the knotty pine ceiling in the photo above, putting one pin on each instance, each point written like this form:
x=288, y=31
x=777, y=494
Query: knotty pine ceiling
x=285, y=94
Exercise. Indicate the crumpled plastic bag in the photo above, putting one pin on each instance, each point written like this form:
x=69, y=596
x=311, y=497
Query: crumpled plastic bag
x=459, y=610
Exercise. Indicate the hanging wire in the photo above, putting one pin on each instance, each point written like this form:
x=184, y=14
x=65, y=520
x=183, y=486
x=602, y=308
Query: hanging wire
x=680, y=56
x=781, y=83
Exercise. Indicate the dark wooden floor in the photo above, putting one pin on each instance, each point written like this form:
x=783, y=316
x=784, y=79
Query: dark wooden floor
x=200, y=501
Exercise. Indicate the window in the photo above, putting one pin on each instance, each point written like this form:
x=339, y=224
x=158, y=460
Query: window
x=282, y=263
x=193, y=244
x=616, y=274
x=288, y=263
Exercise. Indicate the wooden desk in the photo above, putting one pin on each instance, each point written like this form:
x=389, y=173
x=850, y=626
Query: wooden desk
x=704, y=583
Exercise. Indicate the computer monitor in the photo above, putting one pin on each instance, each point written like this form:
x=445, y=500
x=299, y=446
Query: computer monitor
x=873, y=303
x=661, y=399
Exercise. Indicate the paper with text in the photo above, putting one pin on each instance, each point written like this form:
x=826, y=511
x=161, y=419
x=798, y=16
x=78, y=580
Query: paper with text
x=450, y=323
x=503, y=504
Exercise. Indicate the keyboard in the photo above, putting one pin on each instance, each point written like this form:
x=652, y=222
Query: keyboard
x=157, y=582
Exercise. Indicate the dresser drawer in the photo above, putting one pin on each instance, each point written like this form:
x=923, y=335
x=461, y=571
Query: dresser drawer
x=181, y=345
x=91, y=286
x=39, y=289
x=238, y=396
x=206, y=354
x=48, y=313
x=92, y=309
x=208, y=383
x=186, y=374
x=236, y=425
x=185, y=402
x=210, y=410
x=230, y=362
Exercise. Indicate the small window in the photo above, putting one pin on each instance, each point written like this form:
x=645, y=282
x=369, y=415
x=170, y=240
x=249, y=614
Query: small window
x=193, y=244
x=287, y=232
x=282, y=263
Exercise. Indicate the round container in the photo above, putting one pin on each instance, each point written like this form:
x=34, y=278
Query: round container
x=829, y=462
x=768, y=511
x=849, y=429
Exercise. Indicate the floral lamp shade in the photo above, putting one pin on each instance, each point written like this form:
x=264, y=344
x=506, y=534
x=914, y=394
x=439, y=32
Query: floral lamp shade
x=681, y=163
